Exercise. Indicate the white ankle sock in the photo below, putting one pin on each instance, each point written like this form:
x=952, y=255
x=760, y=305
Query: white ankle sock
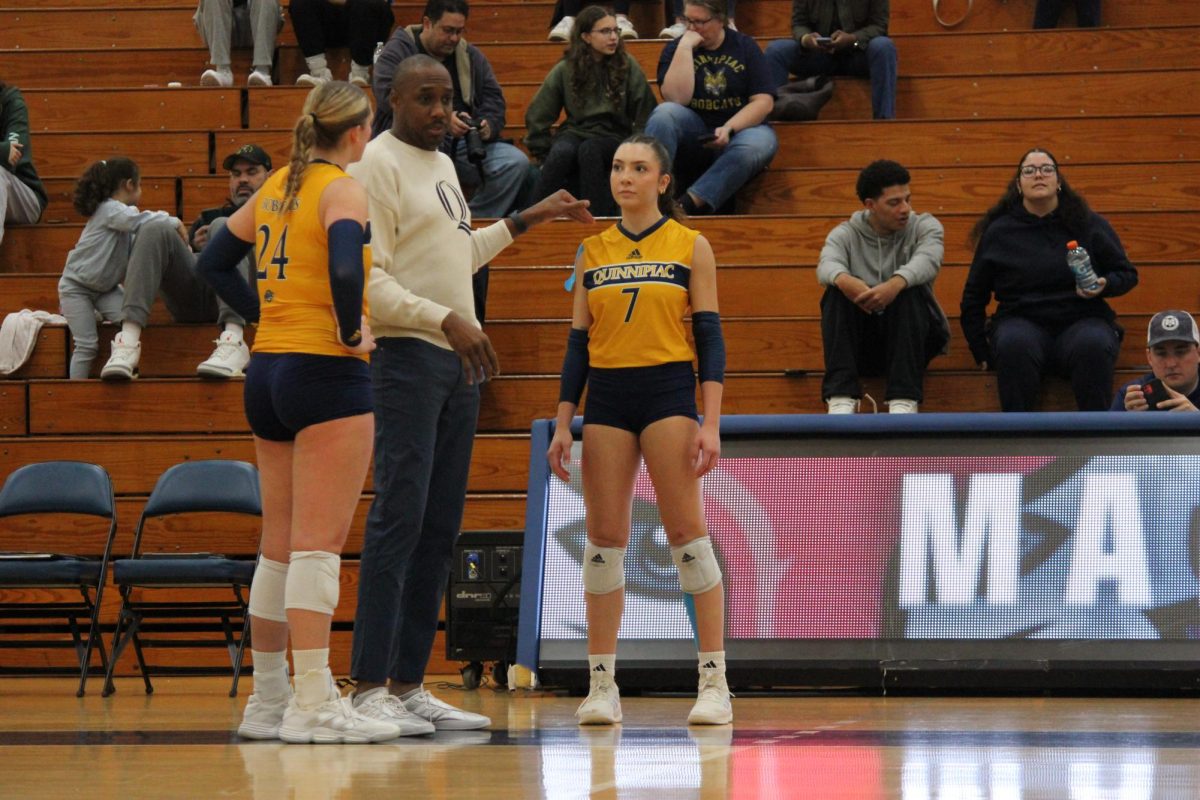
x=316, y=64
x=270, y=674
x=235, y=329
x=712, y=662
x=131, y=332
x=602, y=666
x=314, y=687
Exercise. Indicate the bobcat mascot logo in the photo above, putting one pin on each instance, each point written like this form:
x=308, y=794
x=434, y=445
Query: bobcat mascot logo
x=714, y=82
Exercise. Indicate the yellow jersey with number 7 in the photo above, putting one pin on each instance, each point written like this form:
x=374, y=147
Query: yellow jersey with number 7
x=637, y=293
x=292, y=256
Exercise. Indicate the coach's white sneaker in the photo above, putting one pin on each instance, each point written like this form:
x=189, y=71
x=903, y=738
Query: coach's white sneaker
x=602, y=706
x=378, y=704
x=444, y=716
x=712, y=701
x=261, y=718
x=335, y=721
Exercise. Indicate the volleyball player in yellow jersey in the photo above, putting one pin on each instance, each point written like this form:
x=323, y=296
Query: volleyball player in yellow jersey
x=308, y=402
x=633, y=284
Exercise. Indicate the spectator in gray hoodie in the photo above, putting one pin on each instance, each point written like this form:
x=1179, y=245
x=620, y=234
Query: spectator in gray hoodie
x=878, y=314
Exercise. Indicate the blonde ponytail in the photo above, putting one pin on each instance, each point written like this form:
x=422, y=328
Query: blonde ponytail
x=329, y=111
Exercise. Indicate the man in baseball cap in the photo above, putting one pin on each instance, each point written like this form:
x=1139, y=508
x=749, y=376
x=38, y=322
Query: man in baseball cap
x=170, y=272
x=1173, y=350
x=248, y=168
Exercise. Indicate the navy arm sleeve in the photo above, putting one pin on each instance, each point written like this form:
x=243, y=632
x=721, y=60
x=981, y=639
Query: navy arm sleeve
x=346, y=279
x=218, y=265
x=575, y=367
x=710, y=345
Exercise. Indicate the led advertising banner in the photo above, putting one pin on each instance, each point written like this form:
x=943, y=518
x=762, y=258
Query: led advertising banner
x=901, y=547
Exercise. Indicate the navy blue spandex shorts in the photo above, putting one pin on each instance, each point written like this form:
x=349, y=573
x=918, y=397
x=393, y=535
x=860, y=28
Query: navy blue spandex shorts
x=631, y=398
x=287, y=392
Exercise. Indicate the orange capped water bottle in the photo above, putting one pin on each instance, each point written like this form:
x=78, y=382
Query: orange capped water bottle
x=1081, y=265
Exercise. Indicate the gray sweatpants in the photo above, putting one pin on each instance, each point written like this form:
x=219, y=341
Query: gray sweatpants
x=18, y=203
x=160, y=263
x=80, y=305
x=256, y=24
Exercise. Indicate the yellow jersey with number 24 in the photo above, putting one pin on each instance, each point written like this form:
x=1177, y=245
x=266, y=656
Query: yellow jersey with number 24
x=292, y=252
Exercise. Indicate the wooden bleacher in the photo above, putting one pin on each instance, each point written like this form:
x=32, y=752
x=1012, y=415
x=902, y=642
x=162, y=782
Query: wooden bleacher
x=1116, y=106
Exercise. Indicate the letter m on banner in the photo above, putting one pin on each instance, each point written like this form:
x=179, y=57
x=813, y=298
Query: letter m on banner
x=930, y=539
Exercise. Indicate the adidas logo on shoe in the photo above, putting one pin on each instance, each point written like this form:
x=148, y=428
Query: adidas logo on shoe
x=635, y=253
x=599, y=668
x=598, y=559
x=687, y=558
x=709, y=665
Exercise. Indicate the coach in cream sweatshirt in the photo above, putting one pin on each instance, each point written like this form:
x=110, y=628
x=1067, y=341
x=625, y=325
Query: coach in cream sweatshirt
x=425, y=374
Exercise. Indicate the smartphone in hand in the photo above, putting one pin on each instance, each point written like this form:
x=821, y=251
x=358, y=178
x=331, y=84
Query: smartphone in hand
x=1154, y=392
x=823, y=41
x=706, y=138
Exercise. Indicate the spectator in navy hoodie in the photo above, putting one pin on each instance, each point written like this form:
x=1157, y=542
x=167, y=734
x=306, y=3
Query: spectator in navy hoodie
x=1043, y=322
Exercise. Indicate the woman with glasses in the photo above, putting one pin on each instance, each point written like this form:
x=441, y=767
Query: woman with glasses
x=717, y=90
x=1043, y=322
x=606, y=98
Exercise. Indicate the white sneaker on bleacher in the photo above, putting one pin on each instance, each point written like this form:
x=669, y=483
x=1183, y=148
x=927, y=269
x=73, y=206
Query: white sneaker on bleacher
x=377, y=703
x=562, y=31
x=122, y=364
x=673, y=31
x=315, y=78
x=602, y=706
x=216, y=77
x=900, y=406
x=259, y=78
x=625, y=27
x=335, y=721
x=444, y=716
x=360, y=75
x=261, y=718
x=841, y=404
x=228, y=360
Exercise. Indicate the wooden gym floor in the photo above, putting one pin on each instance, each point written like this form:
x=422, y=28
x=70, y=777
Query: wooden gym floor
x=178, y=743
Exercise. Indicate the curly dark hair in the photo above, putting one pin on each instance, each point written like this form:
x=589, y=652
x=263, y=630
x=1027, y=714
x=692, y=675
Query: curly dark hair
x=588, y=74
x=879, y=175
x=1073, y=210
x=100, y=180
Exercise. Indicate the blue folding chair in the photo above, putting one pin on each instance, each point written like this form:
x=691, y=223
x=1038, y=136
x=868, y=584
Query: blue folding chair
x=157, y=569
x=55, y=487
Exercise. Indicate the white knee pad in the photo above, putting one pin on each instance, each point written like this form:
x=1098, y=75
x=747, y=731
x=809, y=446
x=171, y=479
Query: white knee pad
x=603, y=569
x=312, y=581
x=267, y=590
x=697, y=564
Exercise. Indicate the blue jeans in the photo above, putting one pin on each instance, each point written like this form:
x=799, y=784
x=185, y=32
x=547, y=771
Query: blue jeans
x=879, y=61
x=1084, y=352
x=425, y=416
x=504, y=170
x=725, y=171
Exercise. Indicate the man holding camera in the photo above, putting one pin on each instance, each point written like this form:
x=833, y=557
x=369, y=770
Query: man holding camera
x=1173, y=350
x=491, y=171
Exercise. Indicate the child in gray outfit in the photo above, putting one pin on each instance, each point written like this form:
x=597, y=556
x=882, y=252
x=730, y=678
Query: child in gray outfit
x=107, y=194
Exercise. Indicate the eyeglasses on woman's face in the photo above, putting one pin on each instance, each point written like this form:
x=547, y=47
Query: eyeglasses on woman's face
x=1029, y=170
x=604, y=31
